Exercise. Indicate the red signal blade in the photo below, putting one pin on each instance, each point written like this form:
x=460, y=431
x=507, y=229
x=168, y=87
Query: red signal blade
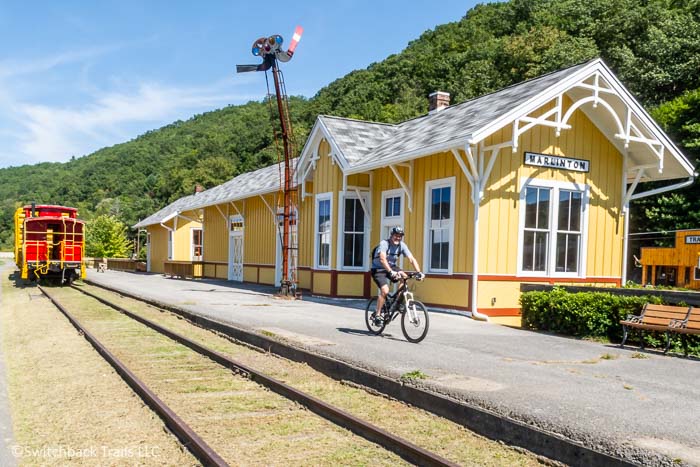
x=295, y=40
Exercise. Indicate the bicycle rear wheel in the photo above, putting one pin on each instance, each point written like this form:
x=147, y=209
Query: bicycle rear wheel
x=415, y=322
x=375, y=327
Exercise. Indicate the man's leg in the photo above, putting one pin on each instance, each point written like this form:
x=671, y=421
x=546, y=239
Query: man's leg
x=381, y=298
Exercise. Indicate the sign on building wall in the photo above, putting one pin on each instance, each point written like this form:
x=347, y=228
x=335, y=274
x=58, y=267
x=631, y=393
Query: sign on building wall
x=557, y=162
x=692, y=239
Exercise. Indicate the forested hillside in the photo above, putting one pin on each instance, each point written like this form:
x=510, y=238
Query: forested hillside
x=653, y=46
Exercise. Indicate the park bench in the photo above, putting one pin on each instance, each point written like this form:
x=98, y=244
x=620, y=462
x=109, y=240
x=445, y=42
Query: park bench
x=691, y=325
x=656, y=318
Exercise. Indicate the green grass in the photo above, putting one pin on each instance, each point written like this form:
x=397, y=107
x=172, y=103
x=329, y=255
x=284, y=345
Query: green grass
x=413, y=375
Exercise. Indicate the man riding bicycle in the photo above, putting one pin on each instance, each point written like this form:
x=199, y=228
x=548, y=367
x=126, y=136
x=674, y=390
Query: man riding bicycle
x=385, y=268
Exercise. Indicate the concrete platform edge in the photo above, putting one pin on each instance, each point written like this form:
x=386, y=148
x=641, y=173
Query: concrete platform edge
x=479, y=420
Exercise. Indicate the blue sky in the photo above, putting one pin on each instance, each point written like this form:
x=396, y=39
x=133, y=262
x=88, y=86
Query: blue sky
x=76, y=76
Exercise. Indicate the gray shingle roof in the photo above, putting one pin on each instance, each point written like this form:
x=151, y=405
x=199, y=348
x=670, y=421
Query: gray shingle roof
x=248, y=184
x=245, y=185
x=366, y=144
x=167, y=212
x=355, y=138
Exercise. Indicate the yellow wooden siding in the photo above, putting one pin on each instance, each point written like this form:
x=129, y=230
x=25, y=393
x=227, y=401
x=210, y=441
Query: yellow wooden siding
x=304, y=279
x=326, y=178
x=351, y=285
x=259, y=242
x=215, y=234
x=267, y=276
x=322, y=283
x=159, y=247
x=182, y=248
x=306, y=232
x=681, y=256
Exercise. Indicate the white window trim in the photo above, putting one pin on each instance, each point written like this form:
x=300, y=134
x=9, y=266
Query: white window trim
x=341, y=232
x=556, y=186
x=430, y=185
x=322, y=197
x=192, y=229
x=171, y=244
x=393, y=220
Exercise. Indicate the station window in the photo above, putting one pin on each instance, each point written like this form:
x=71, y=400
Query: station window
x=439, y=224
x=197, y=244
x=392, y=211
x=354, y=234
x=323, y=231
x=552, y=229
x=696, y=275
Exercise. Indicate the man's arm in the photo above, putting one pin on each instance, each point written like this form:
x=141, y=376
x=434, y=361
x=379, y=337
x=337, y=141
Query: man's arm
x=383, y=260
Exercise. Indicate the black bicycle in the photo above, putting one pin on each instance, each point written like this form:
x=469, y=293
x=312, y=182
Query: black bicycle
x=414, y=316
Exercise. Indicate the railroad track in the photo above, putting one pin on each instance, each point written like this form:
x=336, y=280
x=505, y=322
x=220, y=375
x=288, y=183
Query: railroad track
x=194, y=441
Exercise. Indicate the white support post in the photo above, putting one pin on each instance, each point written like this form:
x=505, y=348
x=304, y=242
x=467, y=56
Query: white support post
x=477, y=177
x=625, y=241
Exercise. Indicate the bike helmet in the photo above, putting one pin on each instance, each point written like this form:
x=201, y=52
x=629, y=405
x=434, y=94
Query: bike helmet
x=397, y=231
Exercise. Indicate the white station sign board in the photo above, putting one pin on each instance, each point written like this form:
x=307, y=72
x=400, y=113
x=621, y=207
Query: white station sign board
x=557, y=162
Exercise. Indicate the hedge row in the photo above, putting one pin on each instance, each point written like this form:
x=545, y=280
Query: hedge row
x=591, y=314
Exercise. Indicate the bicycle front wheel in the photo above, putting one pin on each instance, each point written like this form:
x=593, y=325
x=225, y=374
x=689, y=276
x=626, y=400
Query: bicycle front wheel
x=374, y=326
x=414, y=322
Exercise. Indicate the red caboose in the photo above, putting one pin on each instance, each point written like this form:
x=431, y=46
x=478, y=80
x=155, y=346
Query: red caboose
x=49, y=241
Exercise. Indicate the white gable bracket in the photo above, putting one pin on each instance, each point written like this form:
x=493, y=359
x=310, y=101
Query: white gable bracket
x=221, y=212
x=406, y=188
x=274, y=215
x=368, y=215
x=236, y=209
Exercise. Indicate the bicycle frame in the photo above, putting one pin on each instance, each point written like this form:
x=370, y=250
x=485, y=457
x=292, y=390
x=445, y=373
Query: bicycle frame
x=392, y=299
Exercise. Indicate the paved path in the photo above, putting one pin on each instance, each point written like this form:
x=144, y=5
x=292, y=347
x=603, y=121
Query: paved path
x=620, y=404
x=6, y=437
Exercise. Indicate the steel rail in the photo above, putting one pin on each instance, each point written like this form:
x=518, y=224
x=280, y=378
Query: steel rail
x=373, y=433
x=189, y=438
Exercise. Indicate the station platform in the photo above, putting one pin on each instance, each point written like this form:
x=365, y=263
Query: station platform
x=641, y=407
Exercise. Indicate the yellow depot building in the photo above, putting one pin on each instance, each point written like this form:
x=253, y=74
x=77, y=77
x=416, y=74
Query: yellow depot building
x=530, y=184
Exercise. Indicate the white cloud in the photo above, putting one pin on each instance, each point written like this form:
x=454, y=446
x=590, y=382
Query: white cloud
x=56, y=134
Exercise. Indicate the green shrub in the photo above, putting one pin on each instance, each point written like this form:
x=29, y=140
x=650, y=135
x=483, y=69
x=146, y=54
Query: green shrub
x=591, y=314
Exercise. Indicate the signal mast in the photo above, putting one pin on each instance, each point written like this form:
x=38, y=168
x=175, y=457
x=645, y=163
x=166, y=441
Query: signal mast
x=270, y=49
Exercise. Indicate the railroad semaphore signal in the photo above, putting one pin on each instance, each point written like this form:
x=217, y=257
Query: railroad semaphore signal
x=271, y=52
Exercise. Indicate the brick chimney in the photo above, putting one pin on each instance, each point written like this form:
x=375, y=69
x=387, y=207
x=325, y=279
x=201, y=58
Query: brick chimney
x=198, y=188
x=438, y=100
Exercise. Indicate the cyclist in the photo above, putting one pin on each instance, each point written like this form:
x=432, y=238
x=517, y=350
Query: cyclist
x=385, y=269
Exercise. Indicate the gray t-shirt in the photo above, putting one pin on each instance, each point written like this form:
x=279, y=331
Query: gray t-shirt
x=392, y=253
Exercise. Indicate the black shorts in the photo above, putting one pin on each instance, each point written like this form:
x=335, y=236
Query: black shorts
x=381, y=277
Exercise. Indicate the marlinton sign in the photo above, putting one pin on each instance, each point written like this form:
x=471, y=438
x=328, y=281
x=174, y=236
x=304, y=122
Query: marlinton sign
x=557, y=162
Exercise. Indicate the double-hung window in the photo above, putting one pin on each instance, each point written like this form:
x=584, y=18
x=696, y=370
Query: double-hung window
x=323, y=230
x=197, y=243
x=392, y=211
x=552, y=228
x=354, y=234
x=439, y=224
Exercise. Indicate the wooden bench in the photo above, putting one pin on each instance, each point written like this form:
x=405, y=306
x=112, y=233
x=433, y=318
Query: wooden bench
x=658, y=318
x=691, y=325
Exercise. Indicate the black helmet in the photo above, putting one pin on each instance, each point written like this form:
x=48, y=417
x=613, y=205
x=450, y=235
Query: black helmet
x=397, y=231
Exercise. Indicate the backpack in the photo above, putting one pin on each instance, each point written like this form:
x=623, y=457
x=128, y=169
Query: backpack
x=375, y=251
